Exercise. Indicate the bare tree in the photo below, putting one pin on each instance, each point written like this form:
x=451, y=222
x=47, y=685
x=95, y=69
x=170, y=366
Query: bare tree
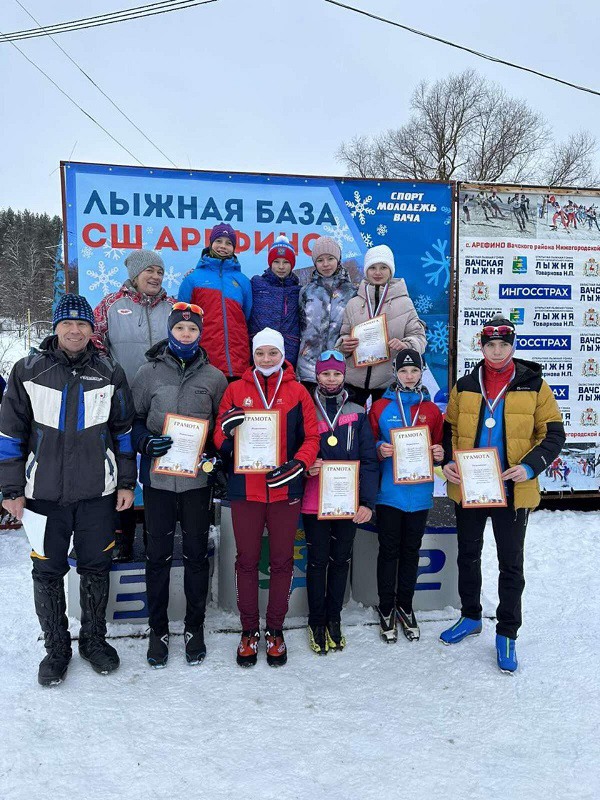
x=465, y=127
x=571, y=163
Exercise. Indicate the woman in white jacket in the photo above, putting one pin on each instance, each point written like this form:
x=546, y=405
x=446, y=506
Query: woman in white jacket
x=379, y=293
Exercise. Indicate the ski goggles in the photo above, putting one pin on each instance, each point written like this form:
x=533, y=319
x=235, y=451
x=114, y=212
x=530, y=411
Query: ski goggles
x=497, y=330
x=188, y=307
x=335, y=354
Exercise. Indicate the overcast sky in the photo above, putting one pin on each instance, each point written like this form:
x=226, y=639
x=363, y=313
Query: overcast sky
x=266, y=85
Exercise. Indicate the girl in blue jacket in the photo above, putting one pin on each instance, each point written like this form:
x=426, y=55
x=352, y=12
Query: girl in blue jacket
x=402, y=508
x=275, y=296
x=345, y=436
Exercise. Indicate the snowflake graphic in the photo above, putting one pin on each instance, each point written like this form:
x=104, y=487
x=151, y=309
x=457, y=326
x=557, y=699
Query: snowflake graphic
x=367, y=239
x=339, y=232
x=171, y=278
x=423, y=304
x=358, y=208
x=381, y=230
x=113, y=252
x=104, y=278
x=87, y=252
x=441, y=260
x=437, y=338
x=351, y=254
x=446, y=210
x=149, y=229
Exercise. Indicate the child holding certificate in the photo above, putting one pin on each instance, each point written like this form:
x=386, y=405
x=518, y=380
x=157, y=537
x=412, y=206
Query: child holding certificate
x=403, y=504
x=345, y=436
x=384, y=317
x=504, y=403
x=275, y=296
x=267, y=433
x=177, y=383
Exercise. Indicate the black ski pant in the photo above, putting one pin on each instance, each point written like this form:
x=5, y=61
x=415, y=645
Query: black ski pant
x=509, y=527
x=329, y=550
x=400, y=537
x=90, y=522
x=163, y=509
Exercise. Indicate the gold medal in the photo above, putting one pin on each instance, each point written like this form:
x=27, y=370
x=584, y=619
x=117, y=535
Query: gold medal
x=208, y=466
x=332, y=440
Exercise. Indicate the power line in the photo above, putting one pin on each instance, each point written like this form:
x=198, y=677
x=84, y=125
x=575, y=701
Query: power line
x=465, y=49
x=139, y=12
x=93, y=82
x=75, y=103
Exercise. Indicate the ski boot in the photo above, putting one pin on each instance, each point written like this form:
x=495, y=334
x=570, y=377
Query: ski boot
x=387, y=626
x=460, y=630
x=50, y=605
x=247, y=652
x=318, y=639
x=93, y=647
x=158, y=649
x=195, y=649
x=506, y=654
x=276, y=649
x=335, y=638
x=408, y=623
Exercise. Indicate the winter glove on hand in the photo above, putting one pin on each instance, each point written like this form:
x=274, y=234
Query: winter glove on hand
x=285, y=473
x=218, y=481
x=231, y=419
x=155, y=446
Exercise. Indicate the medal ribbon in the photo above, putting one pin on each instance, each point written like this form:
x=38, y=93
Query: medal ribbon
x=492, y=405
x=379, y=304
x=332, y=425
x=262, y=394
x=414, y=422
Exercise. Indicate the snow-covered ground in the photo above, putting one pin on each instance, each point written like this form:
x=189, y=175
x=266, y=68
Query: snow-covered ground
x=400, y=721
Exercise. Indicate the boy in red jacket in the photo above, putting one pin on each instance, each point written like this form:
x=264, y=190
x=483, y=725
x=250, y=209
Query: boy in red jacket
x=272, y=498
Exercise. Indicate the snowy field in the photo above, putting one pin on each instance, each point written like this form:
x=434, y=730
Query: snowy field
x=400, y=721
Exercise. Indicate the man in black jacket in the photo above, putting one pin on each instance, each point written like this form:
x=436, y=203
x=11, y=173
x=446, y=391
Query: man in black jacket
x=65, y=450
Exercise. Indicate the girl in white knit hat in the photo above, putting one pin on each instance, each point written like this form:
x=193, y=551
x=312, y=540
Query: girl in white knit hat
x=379, y=293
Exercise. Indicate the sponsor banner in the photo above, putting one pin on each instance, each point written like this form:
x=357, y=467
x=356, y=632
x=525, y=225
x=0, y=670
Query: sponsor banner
x=111, y=210
x=534, y=257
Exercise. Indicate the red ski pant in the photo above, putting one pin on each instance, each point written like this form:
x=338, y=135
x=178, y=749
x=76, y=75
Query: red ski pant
x=249, y=520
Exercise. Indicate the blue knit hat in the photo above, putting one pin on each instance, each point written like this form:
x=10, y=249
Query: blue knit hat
x=72, y=306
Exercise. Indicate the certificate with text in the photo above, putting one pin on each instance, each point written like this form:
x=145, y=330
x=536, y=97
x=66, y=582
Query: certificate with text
x=189, y=438
x=372, y=338
x=338, y=489
x=412, y=459
x=480, y=478
x=256, y=443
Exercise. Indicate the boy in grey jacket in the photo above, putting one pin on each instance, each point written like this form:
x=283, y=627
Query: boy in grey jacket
x=178, y=380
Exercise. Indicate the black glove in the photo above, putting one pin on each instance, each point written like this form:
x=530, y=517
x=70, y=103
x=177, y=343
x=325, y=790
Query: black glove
x=218, y=481
x=155, y=446
x=231, y=419
x=285, y=473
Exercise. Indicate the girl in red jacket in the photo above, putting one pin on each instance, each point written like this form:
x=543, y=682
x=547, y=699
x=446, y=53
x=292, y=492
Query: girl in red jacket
x=272, y=498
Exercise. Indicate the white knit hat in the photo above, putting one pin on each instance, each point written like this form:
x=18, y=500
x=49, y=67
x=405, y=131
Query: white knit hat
x=268, y=338
x=381, y=254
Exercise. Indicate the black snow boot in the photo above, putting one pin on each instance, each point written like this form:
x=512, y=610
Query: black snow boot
x=195, y=649
x=158, y=649
x=123, y=549
x=93, y=647
x=51, y=608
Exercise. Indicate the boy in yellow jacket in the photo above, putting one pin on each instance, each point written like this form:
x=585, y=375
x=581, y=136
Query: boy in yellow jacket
x=504, y=403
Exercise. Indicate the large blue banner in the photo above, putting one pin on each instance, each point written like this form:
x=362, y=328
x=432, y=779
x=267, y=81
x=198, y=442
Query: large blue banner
x=111, y=210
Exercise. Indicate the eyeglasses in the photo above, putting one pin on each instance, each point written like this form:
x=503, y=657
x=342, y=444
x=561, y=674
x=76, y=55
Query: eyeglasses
x=500, y=330
x=335, y=354
x=188, y=307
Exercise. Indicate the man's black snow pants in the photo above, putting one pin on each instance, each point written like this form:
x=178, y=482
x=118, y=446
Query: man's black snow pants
x=509, y=527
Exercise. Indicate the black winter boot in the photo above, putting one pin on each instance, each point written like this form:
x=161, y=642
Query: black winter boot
x=158, y=649
x=195, y=649
x=123, y=549
x=50, y=606
x=93, y=647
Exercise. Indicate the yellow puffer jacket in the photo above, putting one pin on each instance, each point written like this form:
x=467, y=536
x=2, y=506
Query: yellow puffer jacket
x=533, y=427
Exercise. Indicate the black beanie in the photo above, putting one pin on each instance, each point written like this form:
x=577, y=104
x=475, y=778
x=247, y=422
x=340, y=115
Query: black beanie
x=186, y=314
x=408, y=358
x=497, y=322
